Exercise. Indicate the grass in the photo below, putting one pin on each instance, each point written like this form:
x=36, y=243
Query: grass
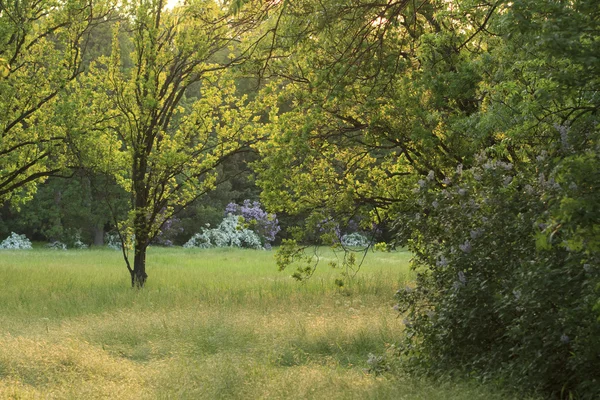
x=219, y=323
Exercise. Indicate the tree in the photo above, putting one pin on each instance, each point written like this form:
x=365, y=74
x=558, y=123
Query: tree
x=68, y=209
x=172, y=118
x=41, y=46
x=365, y=99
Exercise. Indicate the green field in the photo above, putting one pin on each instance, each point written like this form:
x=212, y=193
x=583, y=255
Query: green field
x=210, y=324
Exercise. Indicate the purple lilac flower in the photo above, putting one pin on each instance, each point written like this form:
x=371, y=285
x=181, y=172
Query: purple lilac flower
x=264, y=224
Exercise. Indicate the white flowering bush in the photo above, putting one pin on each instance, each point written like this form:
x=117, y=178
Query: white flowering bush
x=355, y=239
x=78, y=244
x=57, y=245
x=72, y=241
x=113, y=241
x=15, y=242
x=229, y=233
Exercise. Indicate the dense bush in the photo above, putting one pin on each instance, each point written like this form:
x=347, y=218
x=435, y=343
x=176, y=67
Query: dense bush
x=355, y=239
x=169, y=231
x=113, y=241
x=508, y=274
x=246, y=225
x=265, y=225
x=74, y=243
x=56, y=245
x=229, y=233
x=15, y=242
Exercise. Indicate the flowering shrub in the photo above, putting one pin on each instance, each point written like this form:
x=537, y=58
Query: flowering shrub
x=167, y=233
x=56, y=245
x=15, y=242
x=265, y=225
x=112, y=241
x=78, y=244
x=355, y=239
x=506, y=284
x=229, y=233
x=74, y=242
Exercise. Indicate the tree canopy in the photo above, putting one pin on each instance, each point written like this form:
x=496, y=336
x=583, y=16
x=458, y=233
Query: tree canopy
x=41, y=43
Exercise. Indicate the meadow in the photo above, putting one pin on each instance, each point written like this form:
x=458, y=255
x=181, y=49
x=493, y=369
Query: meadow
x=210, y=324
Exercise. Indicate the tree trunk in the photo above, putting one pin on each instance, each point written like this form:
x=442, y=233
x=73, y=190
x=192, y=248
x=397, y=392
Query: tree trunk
x=138, y=274
x=99, y=235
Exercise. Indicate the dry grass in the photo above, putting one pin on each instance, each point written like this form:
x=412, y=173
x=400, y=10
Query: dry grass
x=210, y=324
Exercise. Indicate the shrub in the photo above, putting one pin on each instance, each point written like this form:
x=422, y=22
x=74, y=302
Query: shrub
x=74, y=242
x=229, y=233
x=355, y=239
x=56, y=245
x=78, y=244
x=15, y=242
x=167, y=233
x=265, y=225
x=113, y=241
x=507, y=277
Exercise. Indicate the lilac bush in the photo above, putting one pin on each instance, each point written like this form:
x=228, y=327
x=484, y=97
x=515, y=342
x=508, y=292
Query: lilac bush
x=507, y=277
x=168, y=231
x=264, y=224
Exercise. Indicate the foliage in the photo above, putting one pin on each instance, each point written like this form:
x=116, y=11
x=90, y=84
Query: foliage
x=230, y=233
x=507, y=251
x=363, y=97
x=503, y=289
x=15, y=242
x=41, y=46
x=78, y=244
x=75, y=243
x=68, y=210
x=377, y=365
x=265, y=225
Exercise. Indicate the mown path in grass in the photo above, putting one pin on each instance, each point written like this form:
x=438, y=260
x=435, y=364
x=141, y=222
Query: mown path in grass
x=219, y=323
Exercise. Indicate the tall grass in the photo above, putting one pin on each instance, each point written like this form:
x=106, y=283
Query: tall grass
x=217, y=323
